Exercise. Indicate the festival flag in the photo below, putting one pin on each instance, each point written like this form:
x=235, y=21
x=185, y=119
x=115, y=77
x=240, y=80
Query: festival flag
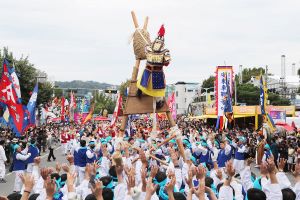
x=62, y=110
x=32, y=104
x=172, y=105
x=90, y=115
x=72, y=101
x=221, y=91
x=72, y=106
x=15, y=80
x=18, y=119
x=263, y=103
x=117, y=110
x=263, y=96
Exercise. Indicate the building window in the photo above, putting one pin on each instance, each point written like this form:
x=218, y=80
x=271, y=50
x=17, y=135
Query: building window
x=176, y=93
x=184, y=89
x=176, y=105
x=190, y=90
x=184, y=100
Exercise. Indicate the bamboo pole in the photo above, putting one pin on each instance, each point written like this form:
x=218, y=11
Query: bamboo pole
x=178, y=141
x=146, y=23
x=134, y=19
x=159, y=160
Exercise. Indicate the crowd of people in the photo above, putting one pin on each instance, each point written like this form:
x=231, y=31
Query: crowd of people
x=142, y=165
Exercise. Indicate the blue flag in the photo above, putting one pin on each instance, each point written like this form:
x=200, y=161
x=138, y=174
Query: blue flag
x=262, y=96
x=228, y=102
x=32, y=104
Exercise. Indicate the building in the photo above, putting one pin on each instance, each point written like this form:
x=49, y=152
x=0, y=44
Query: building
x=184, y=95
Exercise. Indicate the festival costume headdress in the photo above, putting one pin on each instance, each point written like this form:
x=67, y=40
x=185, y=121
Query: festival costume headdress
x=159, y=43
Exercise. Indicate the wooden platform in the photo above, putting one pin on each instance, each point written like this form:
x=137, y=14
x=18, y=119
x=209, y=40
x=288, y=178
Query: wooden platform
x=143, y=105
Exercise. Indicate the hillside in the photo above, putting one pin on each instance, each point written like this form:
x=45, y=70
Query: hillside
x=83, y=84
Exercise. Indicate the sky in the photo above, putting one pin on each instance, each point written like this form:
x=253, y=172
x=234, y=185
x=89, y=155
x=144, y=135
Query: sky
x=89, y=39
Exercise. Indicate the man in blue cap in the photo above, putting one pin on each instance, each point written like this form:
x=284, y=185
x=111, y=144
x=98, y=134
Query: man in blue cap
x=19, y=166
x=90, y=153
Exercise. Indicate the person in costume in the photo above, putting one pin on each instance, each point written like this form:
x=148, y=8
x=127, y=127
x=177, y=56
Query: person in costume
x=224, y=154
x=34, y=151
x=239, y=157
x=19, y=165
x=267, y=153
x=152, y=82
x=90, y=153
x=3, y=159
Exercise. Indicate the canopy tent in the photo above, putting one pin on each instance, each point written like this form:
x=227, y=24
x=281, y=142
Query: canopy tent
x=285, y=126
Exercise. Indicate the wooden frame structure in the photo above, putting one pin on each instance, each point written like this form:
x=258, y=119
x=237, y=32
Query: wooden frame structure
x=143, y=105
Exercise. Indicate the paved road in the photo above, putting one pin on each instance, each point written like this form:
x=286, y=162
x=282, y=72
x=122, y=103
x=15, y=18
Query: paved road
x=7, y=188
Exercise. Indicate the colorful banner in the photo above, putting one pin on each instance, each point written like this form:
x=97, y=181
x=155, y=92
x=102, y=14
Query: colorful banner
x=278, y=115
x=221, y=86
x=224, y=78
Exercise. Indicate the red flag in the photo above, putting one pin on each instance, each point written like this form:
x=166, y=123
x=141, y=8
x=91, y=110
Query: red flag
x=117, y=110
x=62, y=113
x=8, y=96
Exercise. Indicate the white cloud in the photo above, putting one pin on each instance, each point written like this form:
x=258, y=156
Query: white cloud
x=87, y=39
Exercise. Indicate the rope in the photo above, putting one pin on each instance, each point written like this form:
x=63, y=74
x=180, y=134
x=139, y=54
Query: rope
x=141, y=38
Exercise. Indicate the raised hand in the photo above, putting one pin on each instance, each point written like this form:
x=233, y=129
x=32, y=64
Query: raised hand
x=70, y=159
x=297, y=170
x=143, y=178
x=263, y=169
x=45, y=173
x=37, y=161
x=229, y=169
x=281, y=164
x=57, y=167
x=200, y=172
x=71, y=177
x=170, y=187
x=28, y=181
x=150, y=189
x=50, y=187
x=65, y=167
x=189, y=179
x=130, y=183
x=200, y=191
x=154, y=170
x=97, y=189
x=271, y=167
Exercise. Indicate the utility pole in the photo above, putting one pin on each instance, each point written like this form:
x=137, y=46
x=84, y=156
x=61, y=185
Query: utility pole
x=241, y=74
x=266, y=75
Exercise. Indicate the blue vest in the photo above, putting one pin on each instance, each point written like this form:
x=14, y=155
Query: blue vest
x=75, y=158
x=34, y=153
x=239, y=156
x=82, y=156
x=222, y=158
x=91, y=160
x=205, y=158
x=18, y=164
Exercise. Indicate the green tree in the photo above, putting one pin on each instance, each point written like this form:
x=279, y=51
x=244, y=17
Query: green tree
x=250, y=72
x=208, y=83
x=123, y=87
x=27, y=74
x=249, y=94
x=102, y=102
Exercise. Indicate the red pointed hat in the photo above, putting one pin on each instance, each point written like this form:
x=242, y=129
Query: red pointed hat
x=161, y=32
